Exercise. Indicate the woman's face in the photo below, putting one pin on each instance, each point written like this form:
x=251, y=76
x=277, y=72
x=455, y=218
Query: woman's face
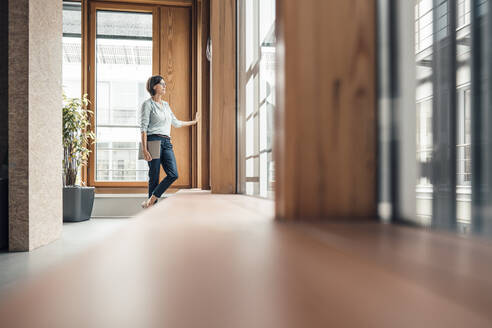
x=160, y=88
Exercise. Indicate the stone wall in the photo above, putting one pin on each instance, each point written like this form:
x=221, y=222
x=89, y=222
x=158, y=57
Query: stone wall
x=35, y=146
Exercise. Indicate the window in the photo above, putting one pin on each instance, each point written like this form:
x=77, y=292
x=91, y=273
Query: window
x=464, y=138
x=432, y=26
x=123, y=45
x=442, y=87
x=256, y=96
x=72, y=51
x=123, y=64
x=463, y=13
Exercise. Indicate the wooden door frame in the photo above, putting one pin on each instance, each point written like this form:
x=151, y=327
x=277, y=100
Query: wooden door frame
x=202, y=13
x=223, y=126
x=88, y=76
x=192, y=85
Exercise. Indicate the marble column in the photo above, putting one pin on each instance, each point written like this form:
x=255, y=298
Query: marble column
x=34, y=123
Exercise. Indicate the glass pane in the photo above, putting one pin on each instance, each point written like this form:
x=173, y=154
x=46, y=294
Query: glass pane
x=251, y=188
x=436, y=202
x=72, y=51
x=267, y=69
x=250, y=96
x=72, y=54
x=267, y=94
x=251, y=148
x=263, y=127
x=119, y=165
x=256, y=81
x=124, y=63
x=250, y=28
x=463, y=110
x=124, y=25
x=267, y=21
x=439, y=98
x=271, y=176
x=481, y=120
x=250, y=167
x=264, y=174
x=117, y=155
x=72, y=18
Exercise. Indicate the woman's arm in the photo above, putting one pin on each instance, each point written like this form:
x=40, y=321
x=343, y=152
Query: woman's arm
x=188, y=123
x=144, y=124
x=145, y=151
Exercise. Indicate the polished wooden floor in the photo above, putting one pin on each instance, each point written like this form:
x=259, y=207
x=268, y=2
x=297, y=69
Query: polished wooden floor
x=201, y=260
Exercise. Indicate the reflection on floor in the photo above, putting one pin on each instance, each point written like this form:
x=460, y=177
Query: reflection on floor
x=118, y=205
x=201, y=260
x=76, y=238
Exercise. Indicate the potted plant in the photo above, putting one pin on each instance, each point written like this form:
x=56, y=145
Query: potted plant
x=77, y=200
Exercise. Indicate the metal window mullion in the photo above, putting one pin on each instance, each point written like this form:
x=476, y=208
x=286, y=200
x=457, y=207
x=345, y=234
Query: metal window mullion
x=385, y=192
x=444, y=118
x=486, y=224
x=476, y=179
x=256, y=81
x=481, y=154
x=241, y=97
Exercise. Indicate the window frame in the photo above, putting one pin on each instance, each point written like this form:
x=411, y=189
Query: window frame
x=245, y=75
x=94, y=7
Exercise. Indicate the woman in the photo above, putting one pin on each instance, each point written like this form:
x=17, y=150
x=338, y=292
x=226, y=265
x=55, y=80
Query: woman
x=156, y=119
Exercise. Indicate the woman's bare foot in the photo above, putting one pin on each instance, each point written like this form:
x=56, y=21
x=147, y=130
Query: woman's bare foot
x=149, y=202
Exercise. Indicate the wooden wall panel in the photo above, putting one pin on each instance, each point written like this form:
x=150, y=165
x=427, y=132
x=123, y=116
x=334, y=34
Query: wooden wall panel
x=203, y=94
x=325, y=148
x=223, y=110
x=176, y=70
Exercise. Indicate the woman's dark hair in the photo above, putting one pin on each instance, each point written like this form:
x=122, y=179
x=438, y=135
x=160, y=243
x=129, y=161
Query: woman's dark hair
x=151, y=82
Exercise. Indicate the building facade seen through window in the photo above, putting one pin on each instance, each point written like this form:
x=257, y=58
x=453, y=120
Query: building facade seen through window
x=72, y=51
x=434, y=95
x=256, y=96
x=432, y=24
x=123, y=64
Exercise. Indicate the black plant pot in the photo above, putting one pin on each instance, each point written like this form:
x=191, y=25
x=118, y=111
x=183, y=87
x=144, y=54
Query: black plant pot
x=77, y=203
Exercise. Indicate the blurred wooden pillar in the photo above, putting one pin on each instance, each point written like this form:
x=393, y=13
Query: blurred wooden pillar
x=325, y=147
x=223, y=109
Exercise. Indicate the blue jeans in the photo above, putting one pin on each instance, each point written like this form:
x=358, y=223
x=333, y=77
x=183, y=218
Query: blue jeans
x=168, y=162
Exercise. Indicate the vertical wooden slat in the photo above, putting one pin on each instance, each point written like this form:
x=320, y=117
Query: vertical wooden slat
x=198, y=11
x=84, y=67
x=91, y=52
x=176, y=68
x=223, y=110
x=203, y=94
x=156, y=40
x=193, y=109
x=325, y=148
